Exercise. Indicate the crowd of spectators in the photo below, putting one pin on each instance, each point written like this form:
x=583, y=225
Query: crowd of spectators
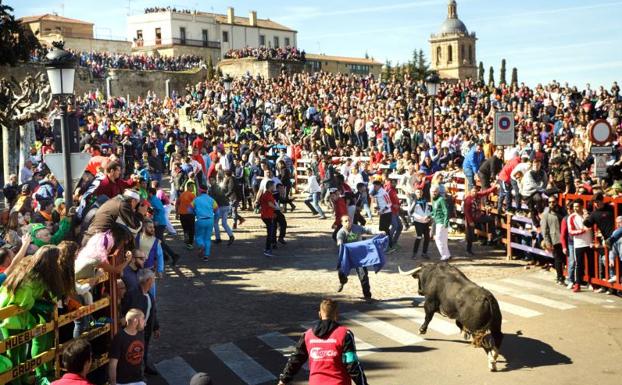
x=166, y=9
x=100, y=62
x=254, y=134
x=267, y=53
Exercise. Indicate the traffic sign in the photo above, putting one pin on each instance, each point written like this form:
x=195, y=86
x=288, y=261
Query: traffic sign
x=601, y=150
x=504, y=128
x=600, y=132
x=600, y=165
x=79, y=161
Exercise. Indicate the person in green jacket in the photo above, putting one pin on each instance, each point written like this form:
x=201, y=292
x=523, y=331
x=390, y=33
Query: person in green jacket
x=41, y=234
x=35, y=286
x=440, y=214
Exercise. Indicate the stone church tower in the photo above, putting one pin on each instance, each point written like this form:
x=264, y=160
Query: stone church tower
x=453, y=48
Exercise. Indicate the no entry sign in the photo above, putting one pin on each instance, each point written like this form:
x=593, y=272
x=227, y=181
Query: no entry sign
x=504, y=129
x=600, y=132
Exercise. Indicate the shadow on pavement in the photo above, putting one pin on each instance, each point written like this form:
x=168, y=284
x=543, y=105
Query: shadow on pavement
x=523, y=352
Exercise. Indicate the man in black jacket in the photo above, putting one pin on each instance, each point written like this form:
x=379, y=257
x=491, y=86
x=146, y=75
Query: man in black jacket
x=489, y=169
x=330, y=349
x=141, y=298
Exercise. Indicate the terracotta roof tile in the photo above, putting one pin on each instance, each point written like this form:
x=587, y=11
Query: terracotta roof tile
x=52, y=17
x=342, y=59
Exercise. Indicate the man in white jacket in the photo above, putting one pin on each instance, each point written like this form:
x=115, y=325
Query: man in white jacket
x=314, y=191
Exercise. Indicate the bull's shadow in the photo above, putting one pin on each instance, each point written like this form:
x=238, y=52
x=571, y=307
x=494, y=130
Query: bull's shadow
x=523, y=352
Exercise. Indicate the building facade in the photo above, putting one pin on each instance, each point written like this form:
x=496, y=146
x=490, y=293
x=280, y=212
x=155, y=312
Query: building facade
x=452, y=49
x=205, y=34
x=340, y=64
x=76, y=34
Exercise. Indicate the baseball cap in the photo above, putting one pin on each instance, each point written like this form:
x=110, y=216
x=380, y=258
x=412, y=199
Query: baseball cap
x=200, y=379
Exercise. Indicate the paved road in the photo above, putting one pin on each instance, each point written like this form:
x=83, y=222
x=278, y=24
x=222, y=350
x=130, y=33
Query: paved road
x=238, y=315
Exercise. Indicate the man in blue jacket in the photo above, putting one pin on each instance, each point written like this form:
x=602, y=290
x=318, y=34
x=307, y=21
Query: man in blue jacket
x=472, y=161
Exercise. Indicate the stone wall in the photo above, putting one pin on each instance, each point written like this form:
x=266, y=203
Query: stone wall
x=124, y=82
x=88, y=44
x=265, y=68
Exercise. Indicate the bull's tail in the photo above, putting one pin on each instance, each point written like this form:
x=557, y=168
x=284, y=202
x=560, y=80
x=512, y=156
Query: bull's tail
x=494, y=323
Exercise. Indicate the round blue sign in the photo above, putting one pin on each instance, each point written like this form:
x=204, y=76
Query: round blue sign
x=504, y=123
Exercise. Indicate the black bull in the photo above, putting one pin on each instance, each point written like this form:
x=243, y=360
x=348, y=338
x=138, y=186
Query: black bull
x=476, y=311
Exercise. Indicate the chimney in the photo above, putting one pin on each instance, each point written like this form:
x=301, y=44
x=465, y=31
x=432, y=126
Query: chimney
x=230, y=15
x=252, y=19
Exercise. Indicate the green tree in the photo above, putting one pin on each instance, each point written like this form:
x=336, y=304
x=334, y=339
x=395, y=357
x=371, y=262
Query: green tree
x=423, y=68
x=491, y=76
x=16, y=41
x=387, y=71
x=210, y=68
x=398, y=72
x=481, y=73
x=502, y=73
x=514, y=76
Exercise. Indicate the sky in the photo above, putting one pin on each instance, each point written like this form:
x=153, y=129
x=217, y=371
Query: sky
x=574, y=41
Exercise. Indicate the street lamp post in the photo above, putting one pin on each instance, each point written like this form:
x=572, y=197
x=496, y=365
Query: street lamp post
x=60, y=66
x=431, y=84
x=226, y=82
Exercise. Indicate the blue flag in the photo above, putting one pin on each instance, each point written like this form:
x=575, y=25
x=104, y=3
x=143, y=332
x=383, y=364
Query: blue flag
x=368, y=253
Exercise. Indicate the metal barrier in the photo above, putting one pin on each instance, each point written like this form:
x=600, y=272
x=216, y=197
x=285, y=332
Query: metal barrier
x=53, y=326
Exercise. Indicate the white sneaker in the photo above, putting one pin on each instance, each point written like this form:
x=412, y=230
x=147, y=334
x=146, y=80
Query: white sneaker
x=569, y=286
x=612, y=279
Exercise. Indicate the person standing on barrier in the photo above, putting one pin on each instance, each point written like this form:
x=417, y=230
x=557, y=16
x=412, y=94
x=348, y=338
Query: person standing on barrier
x=504, y=181
x=440, y=214
x=490, y=168
x=420, y=211
x=474, y=215
x=551, y=220
x=471, y=164
x=127, y=351
x=77, y=359
x=603, y=218
x=582, y=240
x=533, y=185
x=331, y=352
x=516, y=176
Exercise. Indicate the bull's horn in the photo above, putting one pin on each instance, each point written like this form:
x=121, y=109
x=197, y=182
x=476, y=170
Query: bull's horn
x=409, y=272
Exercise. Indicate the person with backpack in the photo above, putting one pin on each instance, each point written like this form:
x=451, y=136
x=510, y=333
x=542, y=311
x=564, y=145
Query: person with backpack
x=440, y=214
x=474, y=215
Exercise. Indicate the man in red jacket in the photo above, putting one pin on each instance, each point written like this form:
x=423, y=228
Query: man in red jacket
x=112, y=184
x=505, y=183
x=77, y=358
x=473, y=215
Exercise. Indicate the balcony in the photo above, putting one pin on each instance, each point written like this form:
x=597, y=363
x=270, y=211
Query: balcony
x=176, y=41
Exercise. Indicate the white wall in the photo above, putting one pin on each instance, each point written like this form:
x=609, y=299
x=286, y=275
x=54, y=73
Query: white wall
x=148, y=23
x=194, y=27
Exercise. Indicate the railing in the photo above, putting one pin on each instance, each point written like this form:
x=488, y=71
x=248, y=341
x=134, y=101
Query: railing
x=177, y=41
x=53, y=326
x=517, y=237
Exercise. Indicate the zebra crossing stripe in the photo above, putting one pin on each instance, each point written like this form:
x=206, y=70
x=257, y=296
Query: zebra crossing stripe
x=418, y=316
x=517, y=310
x=362, y=348
x=555, y=290
x=241, y=364
x=392, y=332
x=281, y=343
x=529, y=297
x=175, y=371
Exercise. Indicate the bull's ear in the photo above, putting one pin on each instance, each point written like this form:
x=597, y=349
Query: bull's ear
x=416, y=275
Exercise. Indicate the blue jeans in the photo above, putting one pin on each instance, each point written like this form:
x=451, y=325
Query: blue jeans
x=386, y=143
x=572, y=263
x=367, y=210
x=517, y=198
x=313, y=202
x=223, y=216
x=470, y=177
x=505, y=193
x=396, y=228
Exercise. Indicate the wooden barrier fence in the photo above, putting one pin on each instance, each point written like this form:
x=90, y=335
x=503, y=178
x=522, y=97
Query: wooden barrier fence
x=53, y=326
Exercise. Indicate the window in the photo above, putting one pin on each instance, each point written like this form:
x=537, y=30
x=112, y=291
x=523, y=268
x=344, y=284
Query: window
x=462, y=55
x=139, y=34
x=225, y=36
x=182, y=35
x=262, y=40
x=204, y=36
x=276, y=42
x=158, y=33
x=287, y=41
x=438, y=55
x=450, y=54
x=470, y=54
